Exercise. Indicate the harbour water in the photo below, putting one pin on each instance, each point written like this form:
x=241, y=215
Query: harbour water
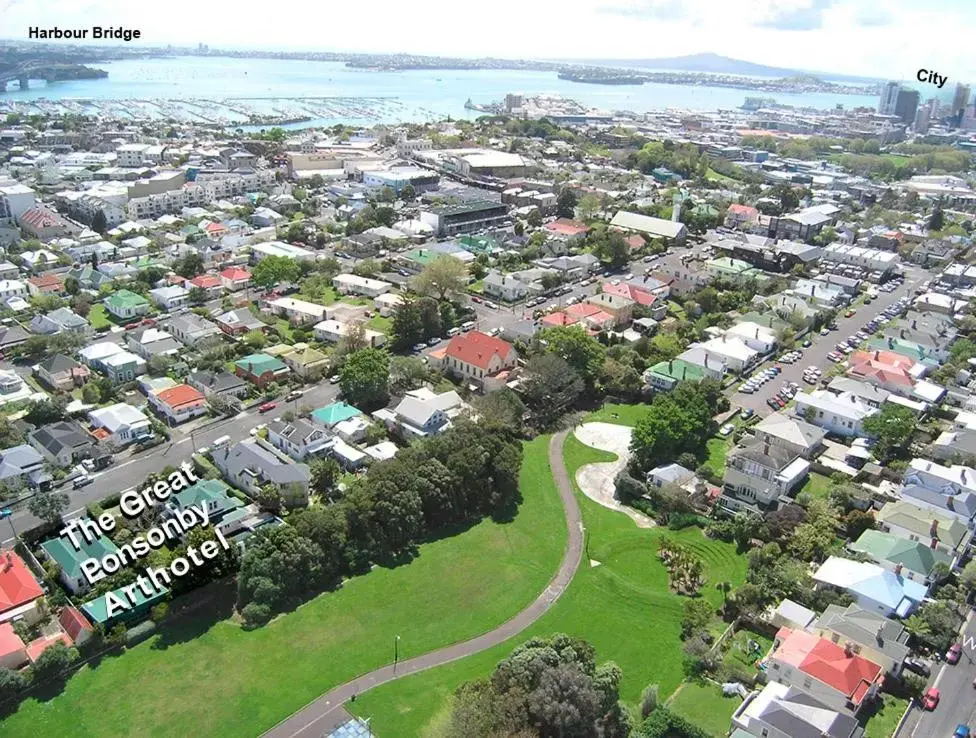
x=287, y=87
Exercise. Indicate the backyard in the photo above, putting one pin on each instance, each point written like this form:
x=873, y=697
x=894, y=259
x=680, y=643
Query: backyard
x=210, y=677
x=99, y=318
x=704, y=704
x=622, y=606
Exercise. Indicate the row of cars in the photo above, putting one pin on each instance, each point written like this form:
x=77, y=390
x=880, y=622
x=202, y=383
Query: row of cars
x=759, y=379
x=850, y=344
x=932, y=696
x=781, y=398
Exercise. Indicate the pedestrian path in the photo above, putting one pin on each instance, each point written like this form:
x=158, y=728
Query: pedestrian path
x=598, y=480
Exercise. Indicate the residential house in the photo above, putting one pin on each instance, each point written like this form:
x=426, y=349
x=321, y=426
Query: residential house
x=885, y=369
x=261, y=369
x=620, y=307
x=238, y=322
x=912, y=560
x=61, y=372
x=353, y=284
x=19, y=590
x=480, y=358
x=592, y=316
x=12, y=288
x=873, y=587
x=333, y=331
x=150, y=342
x=782, y=711
x=385, y=304
x=23, y=467
x=570, y=231
x=793, y=434
x=299, y=438
x=209, y=283
x=219, y=383
x=120, y=424
x=421, y=413
x=249, y=466
x=179, y=404
x=63, y=443
x=950, y=490
x=879, y=639
x=213, y=494
x=833, y=674
x=305, y=361
x=713, y=366
x=235, y=278
x=741, y=215
x=193, y=331
x=13, y=652
x=665, y=375
x=668, y=230
x=62, y=552
x=757, y=337
x=674, y=475
x=758, y=475
x=98, y=610
x=504, y=286
x=791, y=614
x=331, y=415
x=842, y=414
x=733, y=352
x=46, y=284
x=170, y=297
x=62, y=320
x=871, y=395
x=298, y=312
x=126, y=305
x=944, y=533
x=75, y=625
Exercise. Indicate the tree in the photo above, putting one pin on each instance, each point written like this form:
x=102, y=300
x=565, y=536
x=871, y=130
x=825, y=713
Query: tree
x=365, y=377
x=255, y=340
x=407, y=373
x=856, y=522
x=269, y=498
x=578, y=348
x=566, y=203
x=280, y=566
x=430, y=317
x=99, y=222
x=617, y=251
x=43, y=412
x=274, y=270
x=649, y=699
x=407, y=328
x=189, y=266
x=90, y=394
x=443, y=276
x=892, y=426
x=697, y=615
x=534, y=218
x=53, y=661
x=408, y=192
x=223, y=405
x=197, y=295
x=11, y=684
x=936, y=219
x=589, y=205
x=550, y=386
x=72, y=285
x=967, y=578
x=325, y=474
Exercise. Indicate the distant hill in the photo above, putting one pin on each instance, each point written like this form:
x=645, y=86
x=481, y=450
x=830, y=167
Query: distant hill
x=716, y=64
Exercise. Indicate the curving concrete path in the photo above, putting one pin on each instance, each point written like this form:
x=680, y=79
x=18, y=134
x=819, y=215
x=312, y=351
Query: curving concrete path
x=325, y=713
x=597, y=480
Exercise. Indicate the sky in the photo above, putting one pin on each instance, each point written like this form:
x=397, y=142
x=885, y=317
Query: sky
x=874, y=38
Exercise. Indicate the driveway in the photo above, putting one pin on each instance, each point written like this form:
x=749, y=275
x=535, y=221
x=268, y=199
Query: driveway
x=314, y=720
x=597, y=481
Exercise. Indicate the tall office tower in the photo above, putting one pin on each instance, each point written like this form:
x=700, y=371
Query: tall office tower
x=906, y=105
x=922, y=118
x=961, y=98
x=889, y=97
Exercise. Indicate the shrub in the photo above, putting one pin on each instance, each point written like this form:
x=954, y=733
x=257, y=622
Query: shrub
x=256, y=614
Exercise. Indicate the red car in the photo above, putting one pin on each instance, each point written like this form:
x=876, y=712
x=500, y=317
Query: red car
x=931, y=698
x=953, y=654
x=474, y=298
x=267, y=407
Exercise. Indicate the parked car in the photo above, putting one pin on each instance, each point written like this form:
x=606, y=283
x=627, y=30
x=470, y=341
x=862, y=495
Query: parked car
x=418, y=347
x=918, y=666
x=961, y=731
x=746, y=413
x=433, y=341
x=334, y=379
x=475, y=298
x=930, y=699
x=82, y=481
x=954, y=653
x=267, y=407
x=293, y=395
x=726, y=430
x=772, y=403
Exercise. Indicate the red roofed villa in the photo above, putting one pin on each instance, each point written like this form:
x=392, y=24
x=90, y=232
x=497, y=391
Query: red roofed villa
x=567, y=229
x=19, y=589
x=594, y=317
x=235, y=278
x=481, y=358
x=884, y=368
x=624, y=289
x=209, y=282
x=738, y=215
x=39, y=645
x=558, y=318
x=75, y=624
x=45, y=284
x=833, y=674
x=179, y=404
x=13, y=652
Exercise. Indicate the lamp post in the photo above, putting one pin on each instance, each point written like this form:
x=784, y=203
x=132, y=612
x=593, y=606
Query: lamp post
x=396, y=652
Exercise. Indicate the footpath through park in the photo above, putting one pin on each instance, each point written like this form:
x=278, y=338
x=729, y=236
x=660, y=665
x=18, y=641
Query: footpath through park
x=324, y=714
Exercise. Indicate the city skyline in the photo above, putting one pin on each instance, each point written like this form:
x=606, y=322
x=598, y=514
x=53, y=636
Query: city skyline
x=866, y=39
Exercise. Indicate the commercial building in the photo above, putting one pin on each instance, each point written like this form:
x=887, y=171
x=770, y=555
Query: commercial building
x=466, y=217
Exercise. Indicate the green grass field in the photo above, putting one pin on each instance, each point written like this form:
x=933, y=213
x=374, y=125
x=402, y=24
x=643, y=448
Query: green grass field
x=617, y=414
x=882, y=721
x=714, y=176
x=718, y=449
x=98, y=317
x=228, y=682
x=817, y=485
x=380, y=323
x=623, y=607
x=704, y=704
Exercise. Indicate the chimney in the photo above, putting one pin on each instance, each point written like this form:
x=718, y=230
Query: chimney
x=670, y=365
x=898, y=570
x=876, y=354
x=849, y=650
x=913, y=324
x=934, y=529
x=879, y=635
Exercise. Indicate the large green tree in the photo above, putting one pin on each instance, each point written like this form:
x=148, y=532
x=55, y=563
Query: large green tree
x=442, y=277
x=578, y=348
x=273, y=270
x=893, y=426
x=365, y=376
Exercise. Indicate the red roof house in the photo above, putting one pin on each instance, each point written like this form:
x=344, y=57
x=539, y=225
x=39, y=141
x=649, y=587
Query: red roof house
x=558, y=318
x=18, y=587
x=45, y=284
x=235, y=278
x=209, y=282
x=592, y=315
x=640, y=296
x=832, y=673
x=13, y=652
x=636, y=242
x=75, y=624
x=179, y=403
x=884, y=368
x=39, y=645
x=567, y=228
x=480, y=357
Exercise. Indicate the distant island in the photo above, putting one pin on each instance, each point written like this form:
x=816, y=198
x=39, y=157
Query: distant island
x=607, y=77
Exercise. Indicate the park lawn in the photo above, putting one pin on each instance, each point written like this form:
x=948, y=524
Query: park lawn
x=623, y=607
x=882, y=721
x=714, y=176
x=98, y=317
x=380, y=324
x=718, y=449
x=818, y=486
x=223, y=681
x=625, y=415
x=704, y=705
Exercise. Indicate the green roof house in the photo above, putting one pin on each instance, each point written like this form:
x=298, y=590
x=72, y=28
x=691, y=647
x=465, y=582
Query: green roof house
x=261, y=369
x=910, y=559
x=212, y=493
x=666, y=374
x=330, y=415
x=126, y=305
x=98, y=609
x=62, y=552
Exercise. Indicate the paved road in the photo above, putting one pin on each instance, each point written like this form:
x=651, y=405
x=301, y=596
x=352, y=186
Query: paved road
x=131, y=471
x=816, y=355
x=956, y=685
x=320, y=716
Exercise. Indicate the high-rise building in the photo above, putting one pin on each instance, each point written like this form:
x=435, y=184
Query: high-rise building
x=906, y=105
x=889, y=97
x=961, y=98
x=922, y=118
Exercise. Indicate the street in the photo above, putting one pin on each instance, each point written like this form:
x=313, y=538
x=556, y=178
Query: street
x=816, y=355
x=955, y=682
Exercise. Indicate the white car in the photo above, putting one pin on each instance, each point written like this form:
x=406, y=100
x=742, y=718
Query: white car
x=726, y=429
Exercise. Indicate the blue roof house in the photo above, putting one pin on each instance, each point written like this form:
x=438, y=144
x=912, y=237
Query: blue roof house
x=874, y=588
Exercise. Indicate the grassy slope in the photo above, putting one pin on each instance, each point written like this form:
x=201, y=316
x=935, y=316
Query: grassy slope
x=622, y=607
x=227, y=682
x=705, y=706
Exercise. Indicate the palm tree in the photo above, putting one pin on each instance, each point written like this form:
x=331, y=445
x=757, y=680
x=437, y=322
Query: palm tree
x=724, y=587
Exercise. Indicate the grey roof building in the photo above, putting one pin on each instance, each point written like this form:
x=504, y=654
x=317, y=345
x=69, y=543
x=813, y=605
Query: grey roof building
x=250, y=465
x=879, y=639
x=218, y=383
x=62, y=443
x=779, y=711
